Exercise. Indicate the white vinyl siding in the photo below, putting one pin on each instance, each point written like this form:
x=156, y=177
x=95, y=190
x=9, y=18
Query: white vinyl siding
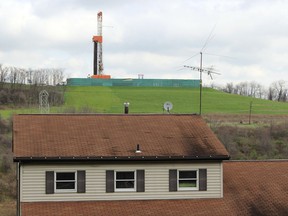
x=156, y=181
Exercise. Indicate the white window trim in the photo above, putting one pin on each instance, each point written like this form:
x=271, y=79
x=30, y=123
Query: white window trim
x=125, y=189
x=188, y=188
x=65, y=190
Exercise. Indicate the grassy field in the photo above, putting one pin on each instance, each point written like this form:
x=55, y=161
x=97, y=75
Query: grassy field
x=151, y=99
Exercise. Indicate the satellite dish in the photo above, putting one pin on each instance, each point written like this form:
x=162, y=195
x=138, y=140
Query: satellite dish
x=168, y=106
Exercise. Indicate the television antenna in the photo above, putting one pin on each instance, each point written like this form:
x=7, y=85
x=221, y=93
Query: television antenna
x=209, y=71
x=168, y=106
x=44, y=103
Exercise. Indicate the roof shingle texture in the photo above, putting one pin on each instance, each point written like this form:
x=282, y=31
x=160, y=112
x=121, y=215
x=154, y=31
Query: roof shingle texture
x=250, y=188
x=113, y=135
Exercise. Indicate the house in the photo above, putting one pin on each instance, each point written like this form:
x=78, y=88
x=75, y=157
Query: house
x=100, y=164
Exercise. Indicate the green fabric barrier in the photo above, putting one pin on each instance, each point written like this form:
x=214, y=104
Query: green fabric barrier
x=133, y=82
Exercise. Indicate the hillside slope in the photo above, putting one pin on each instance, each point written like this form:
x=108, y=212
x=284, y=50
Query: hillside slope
x=98, y=99
x=151, y=100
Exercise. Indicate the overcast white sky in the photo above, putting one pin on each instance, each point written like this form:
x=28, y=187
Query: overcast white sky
x=248, y=38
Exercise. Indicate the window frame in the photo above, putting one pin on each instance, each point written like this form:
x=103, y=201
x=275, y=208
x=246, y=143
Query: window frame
x=65, y=190
x=188, y=188
x=125, y=189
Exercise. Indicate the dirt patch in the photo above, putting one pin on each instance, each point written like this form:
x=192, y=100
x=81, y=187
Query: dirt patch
x=8, y=208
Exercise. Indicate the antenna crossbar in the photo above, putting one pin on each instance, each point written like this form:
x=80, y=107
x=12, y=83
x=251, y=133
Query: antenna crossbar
x=209, y=71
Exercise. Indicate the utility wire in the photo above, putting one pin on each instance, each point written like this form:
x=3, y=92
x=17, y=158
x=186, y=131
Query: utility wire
x=191, y=57
x=209, y=38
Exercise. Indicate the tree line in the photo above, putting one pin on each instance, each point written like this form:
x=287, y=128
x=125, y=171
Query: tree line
x=41, y=76
x=21, y=87
x=277, y=91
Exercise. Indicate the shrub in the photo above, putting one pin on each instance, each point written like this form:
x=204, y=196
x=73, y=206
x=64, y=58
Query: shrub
x=260, y=142
x=7, y=162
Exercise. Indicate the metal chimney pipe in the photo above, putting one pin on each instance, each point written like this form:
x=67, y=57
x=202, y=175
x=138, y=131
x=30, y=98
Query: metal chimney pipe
x=138, y=149
x=126, y=107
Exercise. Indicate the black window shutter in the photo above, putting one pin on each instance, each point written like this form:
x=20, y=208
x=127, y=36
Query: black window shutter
x=49, y=182
x=172, y=180
x=81, y=181
x=109, y=181
x=202, y=179
x=140, y=175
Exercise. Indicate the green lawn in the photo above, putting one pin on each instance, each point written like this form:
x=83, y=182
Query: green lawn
x=141, y=99
x=220, y=102
x=151, y=99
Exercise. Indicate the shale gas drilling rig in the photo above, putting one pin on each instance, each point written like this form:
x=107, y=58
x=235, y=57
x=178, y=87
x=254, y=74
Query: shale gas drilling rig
x=98, y=53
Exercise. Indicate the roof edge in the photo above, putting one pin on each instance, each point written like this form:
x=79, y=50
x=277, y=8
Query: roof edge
x=262, y=160
x=123, y=158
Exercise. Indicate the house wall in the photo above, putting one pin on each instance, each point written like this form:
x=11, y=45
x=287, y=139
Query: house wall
x=156, y=181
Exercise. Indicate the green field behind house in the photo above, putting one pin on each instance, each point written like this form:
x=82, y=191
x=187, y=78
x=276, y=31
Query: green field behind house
x=151, y=100
x=100, y=99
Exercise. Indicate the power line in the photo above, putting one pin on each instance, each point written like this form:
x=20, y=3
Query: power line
x=209, y=38
x=191, y=57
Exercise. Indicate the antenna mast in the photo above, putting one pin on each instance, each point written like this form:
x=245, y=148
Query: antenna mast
x=200, y=69
x=200, y=83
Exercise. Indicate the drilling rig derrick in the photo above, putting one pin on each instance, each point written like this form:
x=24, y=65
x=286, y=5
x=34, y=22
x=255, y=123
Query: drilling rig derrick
x=98, y=59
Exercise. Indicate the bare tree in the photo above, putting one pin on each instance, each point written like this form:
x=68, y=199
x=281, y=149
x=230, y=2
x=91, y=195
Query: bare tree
x=229, y=88
x=260, y=91
x=3, y=73
x=271, y=93
x=13, y=76
x=278, y=91
x=252, y=86
x=58, y=76
x=22, y=75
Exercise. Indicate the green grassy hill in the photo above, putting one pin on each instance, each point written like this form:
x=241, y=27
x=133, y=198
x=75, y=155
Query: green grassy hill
x=151, y=99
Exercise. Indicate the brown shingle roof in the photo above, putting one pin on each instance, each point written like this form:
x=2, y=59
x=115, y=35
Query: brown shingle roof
x=250, y=188
x=114, y=136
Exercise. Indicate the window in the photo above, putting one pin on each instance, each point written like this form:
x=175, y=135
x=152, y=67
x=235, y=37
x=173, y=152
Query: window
x=65, y=181
x=187, y=180
x=125, y=181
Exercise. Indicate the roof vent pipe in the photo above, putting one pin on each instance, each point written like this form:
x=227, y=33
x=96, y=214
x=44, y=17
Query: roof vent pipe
x=138, y=149
x=126, y=107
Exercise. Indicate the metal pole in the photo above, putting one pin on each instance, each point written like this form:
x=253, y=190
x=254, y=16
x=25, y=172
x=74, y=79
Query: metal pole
x=18, y=206
x=200, y=83
x=250, y=111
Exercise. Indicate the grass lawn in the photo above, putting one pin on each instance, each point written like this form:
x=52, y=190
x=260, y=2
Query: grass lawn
x=100, y=99
x=151, y=100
